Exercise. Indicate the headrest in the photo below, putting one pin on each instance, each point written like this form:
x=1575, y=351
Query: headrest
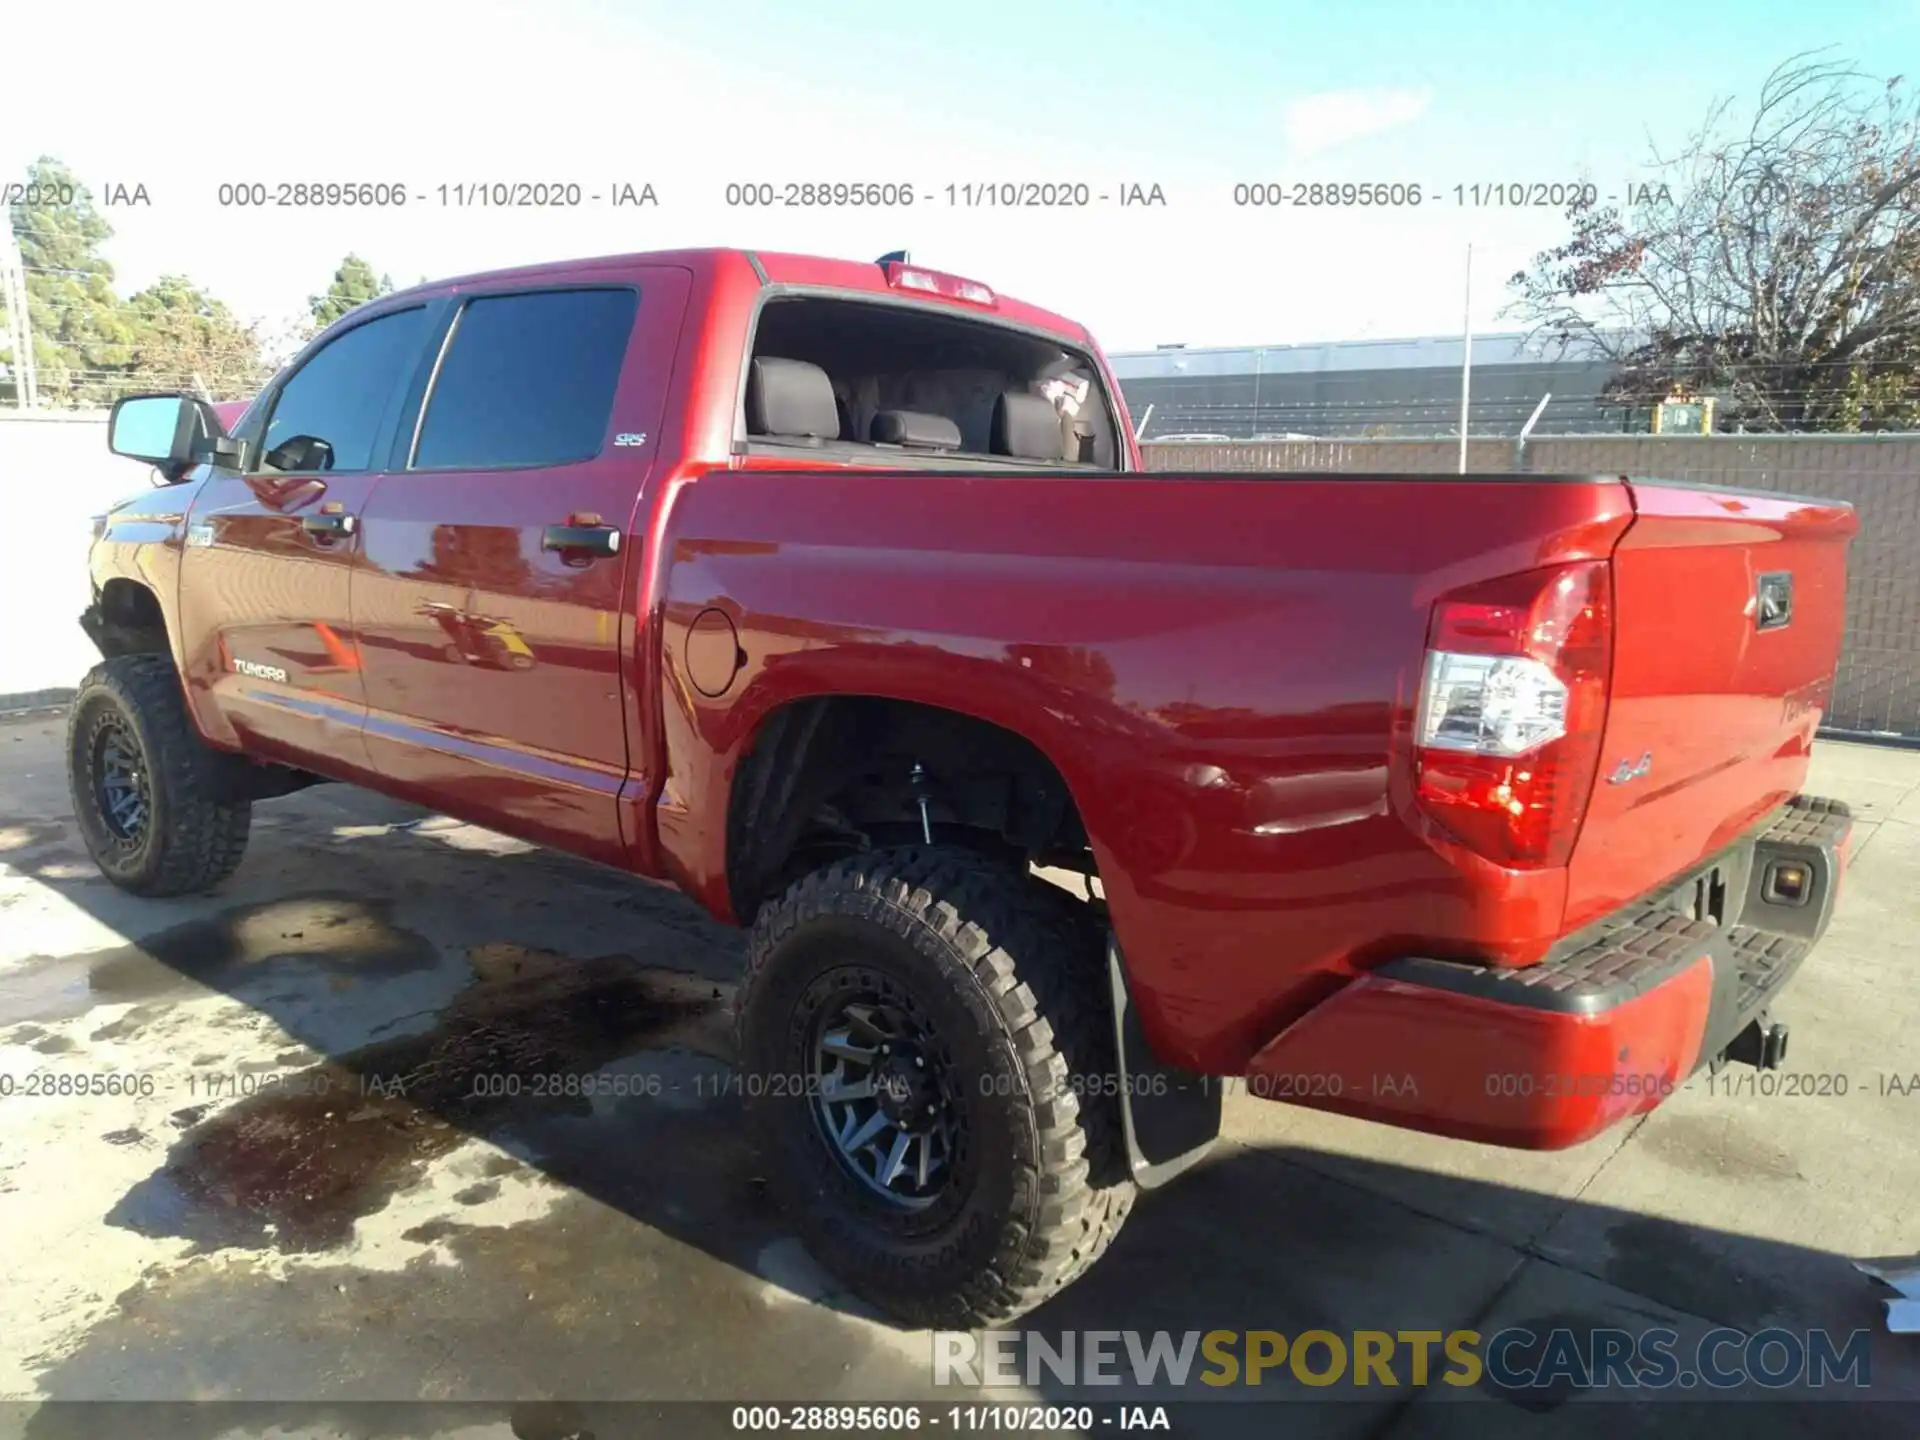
x=911, y=427
x=1026, y=426
x=790, y=398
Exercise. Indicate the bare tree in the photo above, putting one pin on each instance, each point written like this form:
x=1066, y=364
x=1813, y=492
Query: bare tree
x=1774, y=264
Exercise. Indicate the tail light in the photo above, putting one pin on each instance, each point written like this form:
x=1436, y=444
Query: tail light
x=937, y=282
x=1512, y=708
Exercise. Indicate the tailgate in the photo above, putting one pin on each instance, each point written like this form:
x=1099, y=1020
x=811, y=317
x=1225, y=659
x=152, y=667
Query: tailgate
x=1728, y=610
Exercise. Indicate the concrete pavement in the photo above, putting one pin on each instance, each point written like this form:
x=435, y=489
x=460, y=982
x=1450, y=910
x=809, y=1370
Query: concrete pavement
x=251, y=1209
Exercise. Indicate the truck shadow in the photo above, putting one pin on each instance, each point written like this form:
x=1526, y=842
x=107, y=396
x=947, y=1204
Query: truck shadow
x=497, y=1143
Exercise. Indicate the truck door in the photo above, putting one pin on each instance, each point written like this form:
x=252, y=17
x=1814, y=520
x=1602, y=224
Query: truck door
x=270, y=552
x=493, y=614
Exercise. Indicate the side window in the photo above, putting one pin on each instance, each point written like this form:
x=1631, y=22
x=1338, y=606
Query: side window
x=328, y=415
x=527, y=380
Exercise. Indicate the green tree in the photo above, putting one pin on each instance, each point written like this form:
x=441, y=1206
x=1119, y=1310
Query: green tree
x=82, y=337
x=181, y=334
x=354, y=283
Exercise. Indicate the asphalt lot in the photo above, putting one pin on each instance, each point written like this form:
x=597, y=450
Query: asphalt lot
x=273, y=1222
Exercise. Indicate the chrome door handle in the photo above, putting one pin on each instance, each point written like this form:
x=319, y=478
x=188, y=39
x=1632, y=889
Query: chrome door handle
x=588, y=539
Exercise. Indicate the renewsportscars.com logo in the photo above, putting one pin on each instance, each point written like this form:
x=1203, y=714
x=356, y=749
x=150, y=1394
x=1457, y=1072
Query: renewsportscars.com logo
x=1514, y=1359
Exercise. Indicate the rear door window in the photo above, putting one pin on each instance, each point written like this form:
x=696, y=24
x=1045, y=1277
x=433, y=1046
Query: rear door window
x=527, y=380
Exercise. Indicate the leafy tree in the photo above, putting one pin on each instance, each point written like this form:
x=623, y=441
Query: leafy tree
x=182, y=335
x=1774, y=262
x=91, y=346
x=354, y=283
x=471, y=555
x=81, y=333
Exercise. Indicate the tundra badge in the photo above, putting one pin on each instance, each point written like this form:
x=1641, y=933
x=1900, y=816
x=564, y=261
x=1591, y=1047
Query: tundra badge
x=259, y=671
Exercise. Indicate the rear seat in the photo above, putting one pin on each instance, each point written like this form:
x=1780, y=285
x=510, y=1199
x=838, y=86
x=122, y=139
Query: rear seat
x=791, y=400
x=914, y=430
x=794, y=401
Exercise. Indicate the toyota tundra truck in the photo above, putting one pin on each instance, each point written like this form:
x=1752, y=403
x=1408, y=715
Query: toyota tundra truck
x=1055, y=794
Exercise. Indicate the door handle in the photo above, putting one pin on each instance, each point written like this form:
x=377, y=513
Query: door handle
x=328, y=525
x=590, y=539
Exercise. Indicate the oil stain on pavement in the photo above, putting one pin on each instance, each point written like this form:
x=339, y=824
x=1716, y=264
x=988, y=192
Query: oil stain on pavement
x=294, y=1165
x=600, y=1083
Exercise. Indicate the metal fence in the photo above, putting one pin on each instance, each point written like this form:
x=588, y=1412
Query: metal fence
x=1877, y=686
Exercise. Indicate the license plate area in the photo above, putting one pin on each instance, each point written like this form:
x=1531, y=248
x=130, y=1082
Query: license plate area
x=1716, y=894
x=1706, y=898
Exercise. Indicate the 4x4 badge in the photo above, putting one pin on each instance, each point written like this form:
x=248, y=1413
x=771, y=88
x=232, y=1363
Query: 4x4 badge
x=1631, y=769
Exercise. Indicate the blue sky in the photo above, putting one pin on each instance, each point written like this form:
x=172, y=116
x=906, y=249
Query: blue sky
x=1192, y=95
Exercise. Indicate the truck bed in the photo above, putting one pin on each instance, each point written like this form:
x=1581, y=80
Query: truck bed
x=1226, y=667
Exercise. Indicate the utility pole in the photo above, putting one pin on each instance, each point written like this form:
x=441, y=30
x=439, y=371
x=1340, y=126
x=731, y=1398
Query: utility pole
x=1259, y=364
x=13, y=294
x=1466, y=361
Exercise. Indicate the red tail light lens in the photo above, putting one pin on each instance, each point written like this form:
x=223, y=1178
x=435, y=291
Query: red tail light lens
x=1513, y=705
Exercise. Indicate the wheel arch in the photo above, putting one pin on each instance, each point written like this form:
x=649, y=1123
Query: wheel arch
x=127, y=618
x=826, y=774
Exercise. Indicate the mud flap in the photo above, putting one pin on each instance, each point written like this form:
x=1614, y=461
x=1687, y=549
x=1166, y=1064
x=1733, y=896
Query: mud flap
x=1170, y=1117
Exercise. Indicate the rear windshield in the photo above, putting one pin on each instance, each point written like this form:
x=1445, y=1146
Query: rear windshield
x=896, y=386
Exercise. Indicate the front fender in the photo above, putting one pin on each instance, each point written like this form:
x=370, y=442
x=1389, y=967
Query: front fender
x=140, y=540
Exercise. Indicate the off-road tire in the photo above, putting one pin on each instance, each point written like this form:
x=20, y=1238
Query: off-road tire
x=1016, y=976
x=196, y=827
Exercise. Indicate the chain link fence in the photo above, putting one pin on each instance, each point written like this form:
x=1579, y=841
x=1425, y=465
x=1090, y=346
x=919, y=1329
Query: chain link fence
x=64, y=475
x=1877, y=685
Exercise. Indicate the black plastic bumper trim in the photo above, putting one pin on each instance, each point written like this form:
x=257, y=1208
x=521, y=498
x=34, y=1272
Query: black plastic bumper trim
x=1637, y=949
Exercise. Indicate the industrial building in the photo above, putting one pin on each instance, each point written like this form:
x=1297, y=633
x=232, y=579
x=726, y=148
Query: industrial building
x=1366, y=388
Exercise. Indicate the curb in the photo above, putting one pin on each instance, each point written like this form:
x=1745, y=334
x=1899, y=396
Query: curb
x=32, y=702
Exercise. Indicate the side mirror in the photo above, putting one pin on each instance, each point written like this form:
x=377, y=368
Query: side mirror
x=172, y=433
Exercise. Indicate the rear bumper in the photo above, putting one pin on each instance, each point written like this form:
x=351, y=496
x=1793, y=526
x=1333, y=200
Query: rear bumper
x=1610, y=1023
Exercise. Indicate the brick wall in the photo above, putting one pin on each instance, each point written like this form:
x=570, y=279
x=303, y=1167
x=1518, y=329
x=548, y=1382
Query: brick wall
x=1877, y=687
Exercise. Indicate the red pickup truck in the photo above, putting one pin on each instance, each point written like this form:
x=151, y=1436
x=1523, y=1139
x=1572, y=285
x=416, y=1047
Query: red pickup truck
x=837, y=595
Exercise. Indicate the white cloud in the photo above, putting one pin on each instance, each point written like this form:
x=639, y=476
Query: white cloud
x=1320, y=122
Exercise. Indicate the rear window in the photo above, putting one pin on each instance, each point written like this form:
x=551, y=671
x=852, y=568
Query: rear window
x=901, y=385
x=527, y=380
